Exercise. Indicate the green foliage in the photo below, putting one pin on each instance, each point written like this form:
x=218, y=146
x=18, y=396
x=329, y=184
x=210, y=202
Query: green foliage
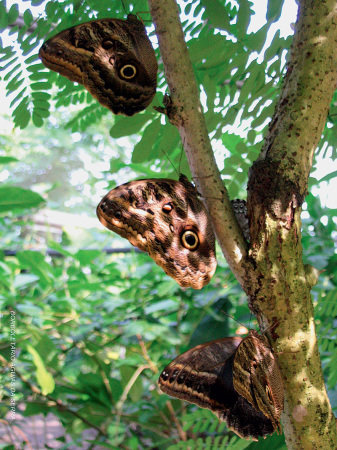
x=44, y=378
x=12, y=198
x=87, y=317
x=219, y=75
x=93, y=331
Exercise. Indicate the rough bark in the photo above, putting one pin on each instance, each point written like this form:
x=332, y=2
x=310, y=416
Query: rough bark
x=280, y=287
x=272, y=273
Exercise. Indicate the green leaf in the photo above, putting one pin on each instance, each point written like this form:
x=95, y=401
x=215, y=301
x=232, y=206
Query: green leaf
x=9, y=63
x=31, y=59
x=22, y=106
x=13, y=198
x=125, y=126
x=3, y=16
x=15, y=83
x=22, y=280
x=251, y=136
x=188, y=8
x=328, y=177
x=46, y=347
x=28, y=17
x=164, y=305
x=41, y=85
x=216, y=13
x=255, y=41
x=276, y=44
x=266, y=113
x=44, y=378
x=244, y=15
x=35, y=261
x=9, y=74
x=231, y=115
x=27, y=308
x=42, y=75
x=37, y=119
x=274, y=10
x=18, y=97
x=22, y=118
x=87, y=256
x=169, y=140
x=7, y=159
x=13, y=14
x=59, y=248
x=116, y=388
x=36, y=67
x=7, y=53
x=275, y=442
x=42, y=110
x=143, y=148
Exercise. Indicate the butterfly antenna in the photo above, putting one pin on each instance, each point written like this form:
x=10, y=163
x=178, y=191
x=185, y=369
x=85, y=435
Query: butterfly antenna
x=235, y=320
x=124, y=7
x=167, y=156
x=270, y=327
x=180, y=158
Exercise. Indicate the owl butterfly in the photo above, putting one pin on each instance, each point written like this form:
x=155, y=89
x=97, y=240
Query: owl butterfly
x=166, y=219
x=238, y=379
x=112, y=58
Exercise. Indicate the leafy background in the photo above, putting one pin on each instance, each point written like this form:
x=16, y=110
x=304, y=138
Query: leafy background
x=93, y=329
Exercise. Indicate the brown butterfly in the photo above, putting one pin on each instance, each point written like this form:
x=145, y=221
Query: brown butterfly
x=238, y=379
x=166, y=219
x=112, y=58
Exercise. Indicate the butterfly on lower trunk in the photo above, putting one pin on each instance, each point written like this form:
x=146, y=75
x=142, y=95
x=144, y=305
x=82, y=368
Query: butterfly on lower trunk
x=112, y=58
x=238, y=379
x=166, y=219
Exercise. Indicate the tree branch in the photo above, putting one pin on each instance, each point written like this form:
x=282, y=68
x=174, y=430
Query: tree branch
x=187, y=115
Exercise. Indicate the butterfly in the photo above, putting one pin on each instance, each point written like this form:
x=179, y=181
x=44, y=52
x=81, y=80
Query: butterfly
x=166, y=219
x=112, y=58
x=236, y=378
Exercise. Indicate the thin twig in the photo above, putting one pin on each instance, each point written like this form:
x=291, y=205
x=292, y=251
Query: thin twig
x=129, y=385
x=102, y=373
x=154, y=368
x=124, y=395
x=146, y=356
x=181, y=432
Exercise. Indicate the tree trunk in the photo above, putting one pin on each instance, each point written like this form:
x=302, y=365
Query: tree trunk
x=271, y=272
x=280, y=292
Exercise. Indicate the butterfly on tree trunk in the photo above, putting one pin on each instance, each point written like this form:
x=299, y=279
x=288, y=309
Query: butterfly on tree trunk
x=166, y=219
x=238, y=379
x=112, y=58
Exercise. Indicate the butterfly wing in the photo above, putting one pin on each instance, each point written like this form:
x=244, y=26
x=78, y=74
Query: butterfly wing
x=166, y=219
x=257, y=377
x=112, y=58
x=204, y=376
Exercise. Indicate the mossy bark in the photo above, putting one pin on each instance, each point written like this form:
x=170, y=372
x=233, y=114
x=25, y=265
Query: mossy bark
x=279, y=289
